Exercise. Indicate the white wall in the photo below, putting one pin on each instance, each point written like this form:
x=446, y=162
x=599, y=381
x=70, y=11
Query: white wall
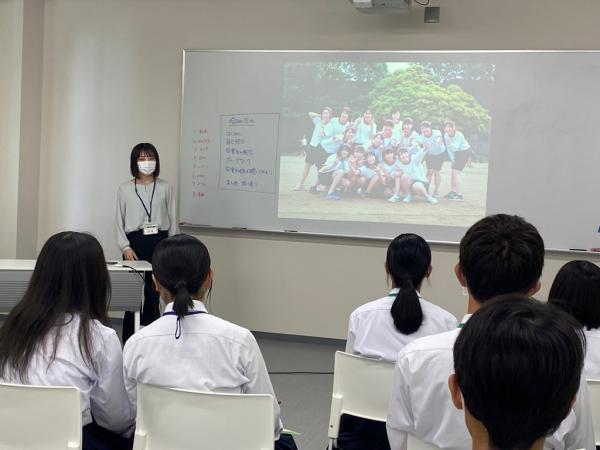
x=112, y=78
x=11, y=32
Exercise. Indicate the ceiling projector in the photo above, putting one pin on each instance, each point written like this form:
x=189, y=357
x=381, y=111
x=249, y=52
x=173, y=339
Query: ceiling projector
x=382, y=6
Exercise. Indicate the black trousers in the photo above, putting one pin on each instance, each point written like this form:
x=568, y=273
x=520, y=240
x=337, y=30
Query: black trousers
x=144, y=246
x=357, y=433
x=285, y=442
x=94, y=437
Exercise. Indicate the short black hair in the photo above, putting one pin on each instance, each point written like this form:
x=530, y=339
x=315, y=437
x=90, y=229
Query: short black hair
x=143, y=148
x=518, y=364
x=501, y=254
x=576, y=289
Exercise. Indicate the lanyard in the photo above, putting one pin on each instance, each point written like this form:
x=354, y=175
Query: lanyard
x=148, y=212
x=178, y=324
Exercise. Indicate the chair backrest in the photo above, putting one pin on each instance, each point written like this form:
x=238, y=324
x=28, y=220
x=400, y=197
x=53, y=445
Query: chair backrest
x=170, y=418
x=594, y=392
x=39, y=417
x=361, y=388
x=414, y=443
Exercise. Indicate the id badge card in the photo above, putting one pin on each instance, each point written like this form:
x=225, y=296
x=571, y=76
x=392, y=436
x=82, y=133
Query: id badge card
x=150, y=228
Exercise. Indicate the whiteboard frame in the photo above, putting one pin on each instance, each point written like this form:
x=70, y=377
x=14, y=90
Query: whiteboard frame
x=343, y=236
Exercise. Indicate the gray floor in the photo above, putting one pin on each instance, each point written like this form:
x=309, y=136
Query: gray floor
x=305, y=398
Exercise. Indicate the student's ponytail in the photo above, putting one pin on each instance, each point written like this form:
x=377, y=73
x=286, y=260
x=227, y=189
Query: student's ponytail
x=183, y=300
x=408, y=262
x=181, y=264
x=406, y=309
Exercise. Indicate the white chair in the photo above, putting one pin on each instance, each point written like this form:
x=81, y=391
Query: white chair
x=594, y=392
x=39, y=417
x=180, y=419
x=414, y=443
x=361, y=388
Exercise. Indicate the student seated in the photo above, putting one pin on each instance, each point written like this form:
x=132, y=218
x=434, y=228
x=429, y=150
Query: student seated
x=499, y=254
x=189, y=348
x=381, y=328
x=517, y=366
x=58, y=335
x=576, y=289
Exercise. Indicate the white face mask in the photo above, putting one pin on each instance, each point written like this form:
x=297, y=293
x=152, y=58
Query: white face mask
x=146, y=167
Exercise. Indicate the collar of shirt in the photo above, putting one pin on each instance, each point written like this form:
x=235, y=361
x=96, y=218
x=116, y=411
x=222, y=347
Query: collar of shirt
x=464, y=320
x=198, y=306
x=595, y=332
x=395, y=291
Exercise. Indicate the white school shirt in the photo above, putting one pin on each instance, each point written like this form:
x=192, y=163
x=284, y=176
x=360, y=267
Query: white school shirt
x=420, y=402
x=372, y=334
x=101, y=389
x=592, y=353
x=212, y=355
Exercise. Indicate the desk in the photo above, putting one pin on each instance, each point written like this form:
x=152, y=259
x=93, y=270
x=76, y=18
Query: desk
x=127, y=280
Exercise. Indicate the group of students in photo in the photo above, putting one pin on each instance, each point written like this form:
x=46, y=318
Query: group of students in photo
x=354, y=158
x=510, y=375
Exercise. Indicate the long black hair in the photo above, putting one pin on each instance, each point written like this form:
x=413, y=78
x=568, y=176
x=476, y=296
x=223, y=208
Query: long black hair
x=70, y=277
x=408, y=262
x=181, y=264
x=576, y=289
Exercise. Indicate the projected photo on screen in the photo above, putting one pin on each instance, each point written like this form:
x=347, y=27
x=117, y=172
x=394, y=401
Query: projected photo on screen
x=397, y=142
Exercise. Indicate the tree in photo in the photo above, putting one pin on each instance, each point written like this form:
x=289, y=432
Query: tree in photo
x=421, y=97
x=311, y=86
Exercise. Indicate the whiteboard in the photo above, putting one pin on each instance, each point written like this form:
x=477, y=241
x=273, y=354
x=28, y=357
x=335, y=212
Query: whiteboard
x=531, y=119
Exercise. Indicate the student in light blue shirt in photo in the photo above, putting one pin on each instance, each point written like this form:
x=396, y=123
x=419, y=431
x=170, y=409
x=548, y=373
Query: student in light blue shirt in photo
x=316, y=154
x=409, y=138
x=391, y=174
x=377, y=146
x=334, y=172
x=432, y=143
x=387, y=133
x=414, y=180
x=365, y=173
x=397, y=128
x=365, y=129
x=459, y=152
x=339, y=125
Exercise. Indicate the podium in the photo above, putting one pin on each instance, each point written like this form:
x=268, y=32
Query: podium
x=126, y=277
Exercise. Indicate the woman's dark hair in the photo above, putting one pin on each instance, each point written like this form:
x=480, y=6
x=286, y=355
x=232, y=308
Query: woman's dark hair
x=408, y=261
x=70, y=277
x=501, y=254
x=449, y=123
x=144, y=148
x=345, y=147
x=181, y=264
x=518, y=364
x=576, y=289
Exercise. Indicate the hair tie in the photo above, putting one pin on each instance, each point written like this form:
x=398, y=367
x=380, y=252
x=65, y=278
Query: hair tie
x=180, y=284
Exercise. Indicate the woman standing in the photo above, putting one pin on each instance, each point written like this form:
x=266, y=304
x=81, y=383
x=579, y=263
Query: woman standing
x=145, y=216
